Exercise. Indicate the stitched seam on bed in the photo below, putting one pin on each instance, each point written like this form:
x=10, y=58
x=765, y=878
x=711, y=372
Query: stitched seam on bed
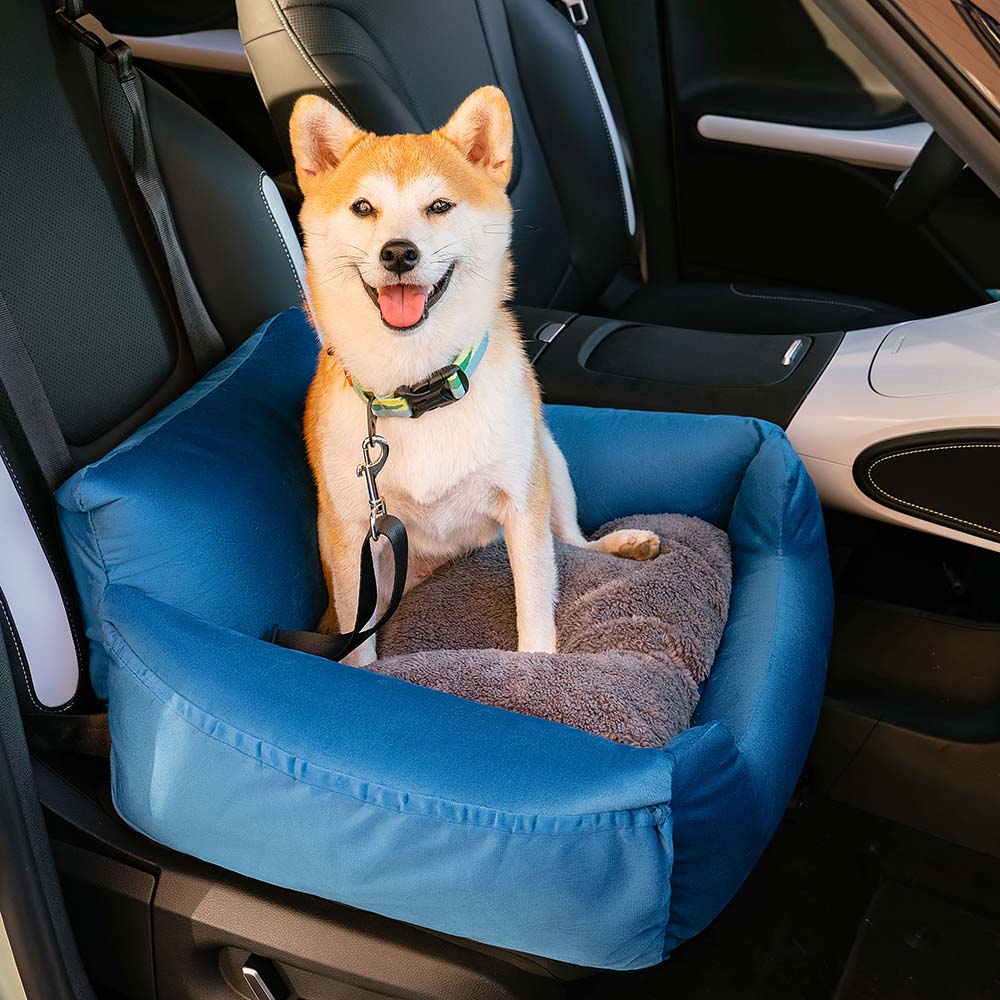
x=115, y=649
x=774, y=631
x=742, y=764
x=669, y=909
x=777, y=610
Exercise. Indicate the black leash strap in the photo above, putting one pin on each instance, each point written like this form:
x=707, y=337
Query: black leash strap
x=113, y=59
x=31, y=406
x=335, y=647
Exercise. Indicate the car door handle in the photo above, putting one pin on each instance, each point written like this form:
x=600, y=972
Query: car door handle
x=891, y=148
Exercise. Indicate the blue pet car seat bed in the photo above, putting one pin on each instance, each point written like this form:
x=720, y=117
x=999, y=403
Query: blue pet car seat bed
x=193, y=537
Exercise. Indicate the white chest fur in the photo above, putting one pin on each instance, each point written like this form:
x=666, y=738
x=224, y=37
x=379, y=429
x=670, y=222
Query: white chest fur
x=449, y=472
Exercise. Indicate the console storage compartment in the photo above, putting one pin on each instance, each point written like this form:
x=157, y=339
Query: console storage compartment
x=607, y=362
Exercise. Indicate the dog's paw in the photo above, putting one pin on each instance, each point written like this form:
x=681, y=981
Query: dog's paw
x=630, y=543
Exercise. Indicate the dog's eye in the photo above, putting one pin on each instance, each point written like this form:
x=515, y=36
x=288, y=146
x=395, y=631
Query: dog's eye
x=363, y=208
x=439, y=206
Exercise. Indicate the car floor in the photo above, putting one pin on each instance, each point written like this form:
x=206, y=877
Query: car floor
x=842, y=906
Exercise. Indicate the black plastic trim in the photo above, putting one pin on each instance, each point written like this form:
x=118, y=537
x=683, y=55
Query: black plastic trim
x=32, y=909
x=936, y=441
x=566, y=378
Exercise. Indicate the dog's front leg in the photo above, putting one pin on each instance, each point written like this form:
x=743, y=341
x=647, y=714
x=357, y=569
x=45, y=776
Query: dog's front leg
x=530, y=548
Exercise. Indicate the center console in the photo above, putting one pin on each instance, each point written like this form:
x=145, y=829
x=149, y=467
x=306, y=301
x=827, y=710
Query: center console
x=897, y=423
x=639, y=366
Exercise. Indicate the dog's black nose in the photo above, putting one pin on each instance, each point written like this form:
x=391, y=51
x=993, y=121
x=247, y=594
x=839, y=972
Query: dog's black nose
x=399, y=256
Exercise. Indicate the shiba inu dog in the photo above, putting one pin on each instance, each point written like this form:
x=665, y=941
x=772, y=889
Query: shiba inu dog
x=408, y=268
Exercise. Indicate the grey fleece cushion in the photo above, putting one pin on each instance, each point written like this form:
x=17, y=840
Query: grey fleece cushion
x=636, y=639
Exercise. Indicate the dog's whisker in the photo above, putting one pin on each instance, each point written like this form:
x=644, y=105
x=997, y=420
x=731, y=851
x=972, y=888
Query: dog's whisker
x=345, y=274
x=460, y=242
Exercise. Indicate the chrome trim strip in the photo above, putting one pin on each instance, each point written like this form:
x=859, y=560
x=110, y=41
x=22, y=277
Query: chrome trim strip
x=794, y=350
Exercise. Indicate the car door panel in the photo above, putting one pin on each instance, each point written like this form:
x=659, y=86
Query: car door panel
x=785, y=145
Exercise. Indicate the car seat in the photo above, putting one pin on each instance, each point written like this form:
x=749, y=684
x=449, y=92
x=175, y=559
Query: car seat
x=406, y=67
x=91, y=301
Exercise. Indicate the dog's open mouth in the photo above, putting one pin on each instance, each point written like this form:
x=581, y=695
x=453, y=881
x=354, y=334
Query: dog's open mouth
x=406, y=306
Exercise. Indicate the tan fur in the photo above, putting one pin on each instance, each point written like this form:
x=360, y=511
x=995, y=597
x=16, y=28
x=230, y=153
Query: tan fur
x=457, y=475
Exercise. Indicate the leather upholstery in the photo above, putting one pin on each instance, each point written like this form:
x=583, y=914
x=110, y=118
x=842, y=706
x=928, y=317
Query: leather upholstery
x=404, y=67
x=231, y=239
x=76, y=272
x=945, y=477
x=739, y=307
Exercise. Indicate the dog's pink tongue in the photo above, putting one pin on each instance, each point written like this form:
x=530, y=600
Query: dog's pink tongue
x=402, y=305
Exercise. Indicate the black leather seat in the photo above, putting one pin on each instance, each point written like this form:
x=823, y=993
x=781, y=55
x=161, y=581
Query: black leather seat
x=396, y=67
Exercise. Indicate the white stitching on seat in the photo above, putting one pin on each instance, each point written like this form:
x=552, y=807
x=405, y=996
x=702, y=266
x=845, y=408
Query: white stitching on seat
x=277, y=229
x=607, y=132
x=798, y=298
x=309, y=61
x=930, y=510
x=40, y=535
x=16, y=643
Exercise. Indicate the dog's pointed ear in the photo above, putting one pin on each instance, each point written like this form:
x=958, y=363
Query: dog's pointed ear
x=483, y=131
x=321, y=136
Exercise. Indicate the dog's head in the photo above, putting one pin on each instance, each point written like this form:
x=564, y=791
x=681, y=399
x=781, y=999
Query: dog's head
x=406, y=236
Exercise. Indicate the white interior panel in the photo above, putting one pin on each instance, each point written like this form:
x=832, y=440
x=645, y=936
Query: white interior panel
x=892, y=148
x=35, y=603
x=220, y=50
x=286, y=232
x=930, y=359
x=843, y=415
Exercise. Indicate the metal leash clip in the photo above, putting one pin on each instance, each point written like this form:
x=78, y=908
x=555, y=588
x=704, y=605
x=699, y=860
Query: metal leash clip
x=370, y=469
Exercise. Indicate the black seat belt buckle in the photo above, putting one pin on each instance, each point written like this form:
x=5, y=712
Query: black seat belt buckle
x=434, y=391
x=106, y=45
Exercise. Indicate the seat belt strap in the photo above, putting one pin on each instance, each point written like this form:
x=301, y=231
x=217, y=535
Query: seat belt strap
x=115, y=72
x=597, y=62
x=31, y=406
x=336, y=647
